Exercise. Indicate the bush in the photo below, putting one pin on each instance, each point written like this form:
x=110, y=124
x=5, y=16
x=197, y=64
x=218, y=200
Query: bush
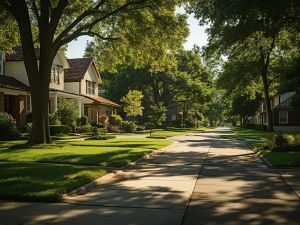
x=261, y=127
x=149, y=125
x=84, y=120
x=54, y=119
x=8, y=130
x=99, y=135
x=59, y=129
x=84, y=128
x=68, y=113
x=115, y=120
x=129, y=126
x=113, y=129
x=285, y=142
x=140, y=128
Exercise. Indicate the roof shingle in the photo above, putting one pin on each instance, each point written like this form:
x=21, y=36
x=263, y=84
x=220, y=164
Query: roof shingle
x=77, y=70
x=18, y=55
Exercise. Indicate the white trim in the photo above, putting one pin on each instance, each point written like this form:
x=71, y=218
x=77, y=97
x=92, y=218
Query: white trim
x=287, y=117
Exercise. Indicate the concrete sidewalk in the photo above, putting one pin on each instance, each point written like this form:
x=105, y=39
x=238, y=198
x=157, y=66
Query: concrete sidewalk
x=156, y=191
x=202, y=179
x=234, y=187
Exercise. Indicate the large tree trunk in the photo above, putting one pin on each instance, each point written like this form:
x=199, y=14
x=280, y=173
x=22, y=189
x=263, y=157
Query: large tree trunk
x=265, y=60
x=267, y=102
x=40, y=133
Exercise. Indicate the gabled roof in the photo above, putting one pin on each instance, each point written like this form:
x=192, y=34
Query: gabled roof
x=289, y=104
x=78, y=68
x=18, y=55
x=12, y=83
x=102, y=101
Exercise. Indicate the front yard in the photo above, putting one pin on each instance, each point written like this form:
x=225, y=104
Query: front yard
x=258, y=140
x=44, y=173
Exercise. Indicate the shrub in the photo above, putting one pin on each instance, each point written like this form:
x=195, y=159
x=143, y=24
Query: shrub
x=285, y=142
x=84, y=128
x=8, y=130
x=54, y=119
x=68, y=113
x=59, y=129
x=149, y=125
x=84, y=120
x=115, y=120
x=140, y=128
x=99, y=135
x=129, y=126
x=113, y=129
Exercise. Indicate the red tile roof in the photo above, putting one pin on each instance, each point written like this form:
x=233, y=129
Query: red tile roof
x=77, y=70
x=102, y=101
x=12, y=83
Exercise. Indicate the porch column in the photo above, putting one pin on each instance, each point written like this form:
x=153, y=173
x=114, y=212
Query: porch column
x=55, y=103
x=79, y=107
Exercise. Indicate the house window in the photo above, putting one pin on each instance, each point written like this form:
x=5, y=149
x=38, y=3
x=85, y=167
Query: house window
x=90, y=87
x=55, y=72
x=28, y=103
x=1, y=62
x=57, y=75
x=53, y=75
x=283, y=116
x=173, y=117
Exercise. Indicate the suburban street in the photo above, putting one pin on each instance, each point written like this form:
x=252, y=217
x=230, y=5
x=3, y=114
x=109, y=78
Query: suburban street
x=202, y=178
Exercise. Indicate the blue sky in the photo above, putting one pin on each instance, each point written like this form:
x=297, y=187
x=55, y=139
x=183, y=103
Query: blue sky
x=197, y=36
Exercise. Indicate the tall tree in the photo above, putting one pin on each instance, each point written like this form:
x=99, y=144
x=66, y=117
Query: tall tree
x=51, y=24
x=233, y=22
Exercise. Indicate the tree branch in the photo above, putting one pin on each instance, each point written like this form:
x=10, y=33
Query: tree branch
x=62, y=40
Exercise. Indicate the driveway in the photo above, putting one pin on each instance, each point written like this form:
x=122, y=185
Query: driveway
x=200, y=179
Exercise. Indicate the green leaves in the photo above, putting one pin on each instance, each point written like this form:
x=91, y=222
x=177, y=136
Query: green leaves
x=133, y=103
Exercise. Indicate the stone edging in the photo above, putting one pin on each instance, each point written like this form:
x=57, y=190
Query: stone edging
x=113, y=176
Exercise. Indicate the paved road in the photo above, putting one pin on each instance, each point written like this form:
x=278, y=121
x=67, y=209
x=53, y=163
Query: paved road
x=201, y=179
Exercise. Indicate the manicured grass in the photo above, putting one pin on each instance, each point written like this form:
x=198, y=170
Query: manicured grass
x=114, y=152
x=44, y=173
x=258, y=140
x=172, y=131
x=43, y=182
x=282, y=159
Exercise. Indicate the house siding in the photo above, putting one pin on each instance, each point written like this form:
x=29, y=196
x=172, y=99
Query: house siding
x=293, y=119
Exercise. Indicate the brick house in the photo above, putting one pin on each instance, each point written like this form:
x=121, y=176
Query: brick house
x=83, y=78
x=286, y=114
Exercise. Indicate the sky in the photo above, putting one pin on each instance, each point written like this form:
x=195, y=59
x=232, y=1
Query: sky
x=197, y=37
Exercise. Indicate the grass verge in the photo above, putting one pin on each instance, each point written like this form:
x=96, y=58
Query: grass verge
x=44, y=173
x=258, y=141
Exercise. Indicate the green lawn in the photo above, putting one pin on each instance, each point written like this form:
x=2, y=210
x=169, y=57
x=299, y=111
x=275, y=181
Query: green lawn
x=172, y=131
x=258, y=140
x=44, y=173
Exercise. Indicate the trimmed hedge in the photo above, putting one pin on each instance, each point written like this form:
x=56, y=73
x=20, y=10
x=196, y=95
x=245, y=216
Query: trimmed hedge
x=261, y=127
x=59, y=129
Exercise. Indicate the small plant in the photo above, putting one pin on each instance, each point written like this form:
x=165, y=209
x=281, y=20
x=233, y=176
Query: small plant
x=99, y=135
x=8, y=130
x=84, y=128
x=54, y=119
x=129, y=126
x=82, y=121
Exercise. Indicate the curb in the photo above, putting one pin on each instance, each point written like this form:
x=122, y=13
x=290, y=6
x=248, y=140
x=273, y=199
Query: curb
x=260, y=156
x=113, y=176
